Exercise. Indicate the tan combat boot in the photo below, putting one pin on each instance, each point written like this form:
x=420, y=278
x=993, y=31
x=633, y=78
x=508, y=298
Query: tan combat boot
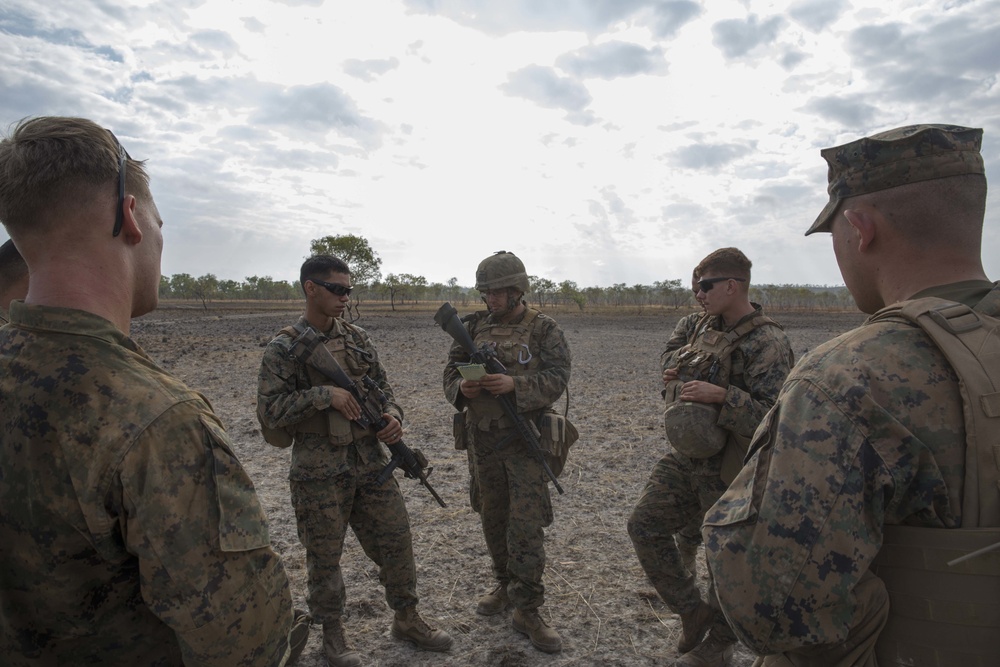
x=338, y=652
x=298, y=635
x=712, y=652
x=694, y=625
x=408, y=626
x=544, y=638
x=493, y=602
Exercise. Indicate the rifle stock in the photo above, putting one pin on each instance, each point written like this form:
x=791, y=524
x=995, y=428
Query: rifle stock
x=447, y=318
x=308, y=348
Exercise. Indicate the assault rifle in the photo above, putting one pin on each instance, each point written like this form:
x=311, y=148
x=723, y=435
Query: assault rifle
x=447, y=318
x=309, y=349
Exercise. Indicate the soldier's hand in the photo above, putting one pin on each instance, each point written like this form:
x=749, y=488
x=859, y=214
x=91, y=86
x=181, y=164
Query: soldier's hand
x=392, y=433
x=497, y=383
x=470, y=388
x=702, y=392
x=669, y=375
x=344, y=403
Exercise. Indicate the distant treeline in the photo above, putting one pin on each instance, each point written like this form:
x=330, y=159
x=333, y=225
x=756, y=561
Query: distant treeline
x=397, y=289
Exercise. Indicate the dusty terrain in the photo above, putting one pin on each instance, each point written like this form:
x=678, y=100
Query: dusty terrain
x=596, y=593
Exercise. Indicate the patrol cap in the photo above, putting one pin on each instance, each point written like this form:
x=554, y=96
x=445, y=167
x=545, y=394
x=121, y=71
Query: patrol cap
x=897, y=157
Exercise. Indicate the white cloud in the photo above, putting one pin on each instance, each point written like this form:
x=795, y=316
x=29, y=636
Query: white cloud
x=605, y=141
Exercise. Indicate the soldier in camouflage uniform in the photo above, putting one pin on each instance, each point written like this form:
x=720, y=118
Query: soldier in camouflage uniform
x=687, y=538
x=692, y=475
x=867, y=438
x=511, y=491
x=13, y=278
x=131, y=534
x=335, y=463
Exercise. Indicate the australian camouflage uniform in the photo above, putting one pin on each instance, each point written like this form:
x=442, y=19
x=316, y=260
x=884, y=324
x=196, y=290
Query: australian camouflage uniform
x=335, y=463
x=510, y=488
x=865, y=447
x=682, y=487
x=131, y=533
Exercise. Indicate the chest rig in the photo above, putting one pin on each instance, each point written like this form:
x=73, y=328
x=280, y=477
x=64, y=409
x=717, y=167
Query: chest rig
x=691, y=427
x=512, y=344
x=356, y=362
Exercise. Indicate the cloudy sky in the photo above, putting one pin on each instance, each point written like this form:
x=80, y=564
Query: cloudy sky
x=603, y=141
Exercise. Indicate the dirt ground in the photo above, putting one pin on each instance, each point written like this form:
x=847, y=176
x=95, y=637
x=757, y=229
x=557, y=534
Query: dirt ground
x=597, y=596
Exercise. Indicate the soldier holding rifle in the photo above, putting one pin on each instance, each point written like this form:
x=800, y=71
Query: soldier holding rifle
x=510, y=484
x=336, y=463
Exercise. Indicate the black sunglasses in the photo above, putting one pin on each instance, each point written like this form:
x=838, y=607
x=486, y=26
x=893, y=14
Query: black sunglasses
x=335, y=288
x=122, y=162
x=706, y=284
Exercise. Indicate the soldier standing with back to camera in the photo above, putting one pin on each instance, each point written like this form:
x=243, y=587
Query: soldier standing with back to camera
x=838, y=544
x=723, y=383
x=510, y=487
x=129, y=532
x=336, y=463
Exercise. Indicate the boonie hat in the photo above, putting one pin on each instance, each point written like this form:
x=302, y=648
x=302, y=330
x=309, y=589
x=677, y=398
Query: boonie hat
x=897, y=157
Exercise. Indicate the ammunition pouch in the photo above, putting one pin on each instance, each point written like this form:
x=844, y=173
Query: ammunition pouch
x=556, y=434
x=458, y=430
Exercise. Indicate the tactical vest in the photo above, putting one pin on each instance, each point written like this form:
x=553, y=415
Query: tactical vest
x=944, y=596
x=512, y=345
x=356, y=362
x=691, y=427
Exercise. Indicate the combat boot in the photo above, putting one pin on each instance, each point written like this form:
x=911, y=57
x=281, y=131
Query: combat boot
x=694, y=625
x=689, y=556
x=712, y=652
x=338, y=652
x=298, y=635
x=408, y=626
x=544, y=638
x=493, y=602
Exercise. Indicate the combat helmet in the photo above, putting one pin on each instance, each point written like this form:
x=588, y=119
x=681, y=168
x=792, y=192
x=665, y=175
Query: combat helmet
x=692, y=429
x=501, y=269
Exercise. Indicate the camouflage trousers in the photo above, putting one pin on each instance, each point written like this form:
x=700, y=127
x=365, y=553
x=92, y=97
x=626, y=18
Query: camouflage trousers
x=514, y=507
x=377, y=514
x=679, y=492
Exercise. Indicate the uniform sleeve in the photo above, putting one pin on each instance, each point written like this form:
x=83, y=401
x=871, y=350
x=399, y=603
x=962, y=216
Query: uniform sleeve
x=797, y=529
x=452, y=378
x=767, y=360
x=283, y=403
x=192, y=518
x=542, y=388
x=678, y=339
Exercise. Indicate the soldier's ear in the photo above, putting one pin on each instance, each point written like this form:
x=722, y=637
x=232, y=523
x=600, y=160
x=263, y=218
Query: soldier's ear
x=864, y=226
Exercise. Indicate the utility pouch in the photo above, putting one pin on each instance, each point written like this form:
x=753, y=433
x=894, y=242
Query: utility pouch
x=556, y=434
x=458, y=430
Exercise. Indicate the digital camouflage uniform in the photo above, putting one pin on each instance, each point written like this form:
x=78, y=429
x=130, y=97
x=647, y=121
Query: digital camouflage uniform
x=689, y=537
x=513, y=488
x=334, y=468
x=680, y=489
x=129, y=532
x=868, y=431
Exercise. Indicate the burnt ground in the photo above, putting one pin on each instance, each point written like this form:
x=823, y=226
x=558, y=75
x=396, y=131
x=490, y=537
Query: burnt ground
x=596, y=593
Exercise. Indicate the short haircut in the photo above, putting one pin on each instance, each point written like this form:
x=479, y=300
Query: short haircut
x=56, y=161
x=730, y=262
x=318, y=267
x=943, y=212
x=12, y=266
